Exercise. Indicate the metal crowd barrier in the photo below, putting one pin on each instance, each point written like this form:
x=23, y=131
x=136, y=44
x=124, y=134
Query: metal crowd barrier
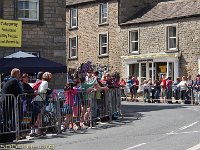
x=173, y=93
x=49, y=113
x=8, y=114
x=37, y=112
x=79, y=108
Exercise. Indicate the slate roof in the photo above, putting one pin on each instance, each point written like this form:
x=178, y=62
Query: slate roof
x=167, y=10
x=74, y=2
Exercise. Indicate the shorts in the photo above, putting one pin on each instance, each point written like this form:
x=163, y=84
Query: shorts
x=67, y=109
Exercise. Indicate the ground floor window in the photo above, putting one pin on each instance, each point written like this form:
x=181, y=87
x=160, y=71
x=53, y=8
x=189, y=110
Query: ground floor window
x=153, y=70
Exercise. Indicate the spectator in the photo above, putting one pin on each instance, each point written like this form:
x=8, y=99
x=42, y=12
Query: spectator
x=10, y=86
x=26, y=100
x=157, y=89
x=183, y=88
x=146, y=91
x=197, y=89
x=130, y=86
x=122, y=84
x=163, y=87
x=40, y=99
x=189, y=94
x=169, y=89
x=176, y=89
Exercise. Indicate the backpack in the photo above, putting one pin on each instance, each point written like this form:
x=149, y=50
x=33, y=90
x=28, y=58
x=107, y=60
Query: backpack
x=36, y=85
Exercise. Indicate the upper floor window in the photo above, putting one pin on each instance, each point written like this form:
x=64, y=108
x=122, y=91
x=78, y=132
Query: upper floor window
x=103, y=18
x=73, y=47
x=172, y=38
x=103, y=44
x=133, y=41
x=73, y=17
x=28, y=10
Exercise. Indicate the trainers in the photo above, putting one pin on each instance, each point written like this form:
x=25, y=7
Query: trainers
x=84, y=127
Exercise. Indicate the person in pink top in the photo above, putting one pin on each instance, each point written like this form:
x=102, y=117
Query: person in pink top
x=67, y=111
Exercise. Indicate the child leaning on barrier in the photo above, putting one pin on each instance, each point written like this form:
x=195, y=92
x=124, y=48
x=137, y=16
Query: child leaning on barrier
x=67, y=110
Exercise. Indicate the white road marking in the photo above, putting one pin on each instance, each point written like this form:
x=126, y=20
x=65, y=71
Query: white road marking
x=173, y=133
x=196, y=147
x=195, y=109
x=185, y=127
x=135, y=146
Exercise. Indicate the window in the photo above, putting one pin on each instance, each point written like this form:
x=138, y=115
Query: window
x=103, y=13
x=73, y=17
x=133, y=42
x=28, y=10
x=1, y=9
x=73, y=47
x=103, y=44
x=171, y=38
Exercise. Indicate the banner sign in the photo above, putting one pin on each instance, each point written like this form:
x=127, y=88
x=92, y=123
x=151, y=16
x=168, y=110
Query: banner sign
x=10, y=33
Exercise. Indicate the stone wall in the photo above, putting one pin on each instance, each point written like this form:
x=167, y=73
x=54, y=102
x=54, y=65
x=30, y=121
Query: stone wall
x=48, y=36
x=153, y=40
x=88, y=36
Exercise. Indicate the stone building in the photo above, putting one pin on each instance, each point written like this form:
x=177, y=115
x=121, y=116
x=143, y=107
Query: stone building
x=43, y=29
x=145, y=38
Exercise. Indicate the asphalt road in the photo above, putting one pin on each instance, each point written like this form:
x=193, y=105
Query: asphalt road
x=144, y=127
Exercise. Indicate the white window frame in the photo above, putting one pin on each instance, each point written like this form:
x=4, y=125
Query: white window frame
x=103, y=45
x=28, y=9
x=73, y=16
x=134, y=41
x=103, y=15
x=74, y=47
x=172, y=37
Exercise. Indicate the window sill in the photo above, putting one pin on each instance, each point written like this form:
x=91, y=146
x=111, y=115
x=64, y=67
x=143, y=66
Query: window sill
x=103, y=56
x=103, y=24
x=171, y=51
x=135, y=53
x=73, y=58
x=73, y=28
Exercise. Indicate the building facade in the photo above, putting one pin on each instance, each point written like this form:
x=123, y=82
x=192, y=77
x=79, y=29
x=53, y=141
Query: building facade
x=92, y=29
x=43, y=29
x=144, y=38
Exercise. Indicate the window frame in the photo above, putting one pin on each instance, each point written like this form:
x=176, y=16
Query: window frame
x=70, y=48
x=130, y=50
x=168, y=37
x=1, y=9
x=101, y=13
x=38, y=10
x=100, y=44
x=71, y=17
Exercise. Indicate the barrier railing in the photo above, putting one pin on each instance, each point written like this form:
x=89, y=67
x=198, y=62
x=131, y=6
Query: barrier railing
x=8, y=115
x=75, y=110
x=80, y=108
x=152, y=93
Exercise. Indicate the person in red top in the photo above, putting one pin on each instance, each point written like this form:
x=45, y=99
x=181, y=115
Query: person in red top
x=122, y=84
x=163, y=86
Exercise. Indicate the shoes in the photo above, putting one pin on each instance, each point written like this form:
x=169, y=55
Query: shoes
x=84, y=127
x=33, y=134
x=22, y=137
